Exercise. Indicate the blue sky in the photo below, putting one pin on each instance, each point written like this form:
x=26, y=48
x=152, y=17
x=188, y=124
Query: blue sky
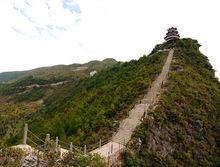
x=69, y=5
x=44, y=18
x=37, y=33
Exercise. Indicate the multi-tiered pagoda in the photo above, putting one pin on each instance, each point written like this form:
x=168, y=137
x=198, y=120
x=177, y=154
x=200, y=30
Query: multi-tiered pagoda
x=172, y=34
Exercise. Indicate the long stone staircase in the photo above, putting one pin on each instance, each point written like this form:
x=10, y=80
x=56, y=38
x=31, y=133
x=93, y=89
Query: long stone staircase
x=111, y=150
x=128, y=125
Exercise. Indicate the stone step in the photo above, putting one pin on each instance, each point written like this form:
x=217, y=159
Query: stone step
x=128, y=125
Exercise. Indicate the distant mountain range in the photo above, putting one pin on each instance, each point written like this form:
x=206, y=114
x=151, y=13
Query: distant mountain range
x=57, y=70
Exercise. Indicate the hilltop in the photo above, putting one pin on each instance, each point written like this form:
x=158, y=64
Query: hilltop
x=183, y=128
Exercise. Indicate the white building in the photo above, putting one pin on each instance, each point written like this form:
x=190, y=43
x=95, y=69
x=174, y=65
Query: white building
x=92, y=73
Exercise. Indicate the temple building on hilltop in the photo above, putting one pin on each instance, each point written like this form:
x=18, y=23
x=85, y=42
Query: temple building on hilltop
x=171, y=34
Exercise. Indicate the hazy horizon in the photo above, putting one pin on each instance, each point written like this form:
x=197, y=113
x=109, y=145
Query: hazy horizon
x=43, y=33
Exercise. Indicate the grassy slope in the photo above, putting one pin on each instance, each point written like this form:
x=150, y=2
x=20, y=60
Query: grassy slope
x=90, y=110
x=184, y=129
x=7, y=76
x=18, y=100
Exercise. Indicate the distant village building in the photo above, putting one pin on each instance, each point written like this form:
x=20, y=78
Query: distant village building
x=92, y=73
x=171, y=34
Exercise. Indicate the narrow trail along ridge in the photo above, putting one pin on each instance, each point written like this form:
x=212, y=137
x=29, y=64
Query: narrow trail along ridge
x=128, y=125
x=111, y=150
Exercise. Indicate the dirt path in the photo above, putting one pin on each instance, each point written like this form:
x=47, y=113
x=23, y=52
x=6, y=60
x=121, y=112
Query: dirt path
x=128, y=125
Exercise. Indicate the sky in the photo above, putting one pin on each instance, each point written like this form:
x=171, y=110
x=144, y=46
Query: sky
x=36, y=33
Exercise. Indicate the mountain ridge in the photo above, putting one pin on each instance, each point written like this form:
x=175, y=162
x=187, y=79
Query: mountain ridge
x=183, y=127
x=15, y=75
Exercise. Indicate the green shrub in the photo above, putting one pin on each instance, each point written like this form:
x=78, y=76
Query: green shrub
x=187, y=113
x=107, y=96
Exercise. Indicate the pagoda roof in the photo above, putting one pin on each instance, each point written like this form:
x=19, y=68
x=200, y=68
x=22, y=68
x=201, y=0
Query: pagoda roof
x=172, y=33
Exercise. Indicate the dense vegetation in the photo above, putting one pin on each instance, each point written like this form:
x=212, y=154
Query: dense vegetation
x=23, y=84
x=87, y=111
x=184, y=129
x=28, y=96
x=25, y=92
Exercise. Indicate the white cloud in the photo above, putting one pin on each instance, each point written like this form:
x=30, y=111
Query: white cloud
x=44, y=17
x=122, y=29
